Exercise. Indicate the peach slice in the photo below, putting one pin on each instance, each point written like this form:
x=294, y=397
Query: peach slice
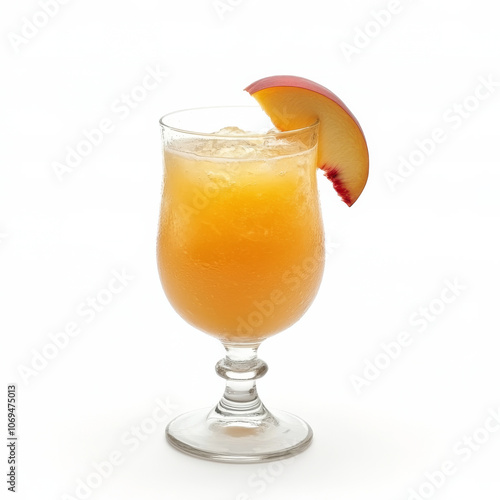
x=293, y=102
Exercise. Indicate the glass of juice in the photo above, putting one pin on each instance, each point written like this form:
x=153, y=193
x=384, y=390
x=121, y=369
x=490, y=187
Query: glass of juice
x=240, y=256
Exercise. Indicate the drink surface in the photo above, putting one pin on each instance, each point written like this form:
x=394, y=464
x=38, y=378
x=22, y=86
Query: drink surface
x=240, y=244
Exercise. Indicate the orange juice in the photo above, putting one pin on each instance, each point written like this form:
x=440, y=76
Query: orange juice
x=240, y=244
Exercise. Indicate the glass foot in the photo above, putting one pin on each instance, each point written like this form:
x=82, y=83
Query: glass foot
x=208, y=434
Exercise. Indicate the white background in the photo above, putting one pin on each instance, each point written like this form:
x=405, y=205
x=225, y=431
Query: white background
x=61, y=240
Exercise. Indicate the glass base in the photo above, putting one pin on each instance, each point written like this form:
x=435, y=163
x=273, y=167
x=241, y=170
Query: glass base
x=206, y=434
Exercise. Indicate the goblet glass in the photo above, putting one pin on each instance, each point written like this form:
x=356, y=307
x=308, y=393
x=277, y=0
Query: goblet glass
x=240, y=255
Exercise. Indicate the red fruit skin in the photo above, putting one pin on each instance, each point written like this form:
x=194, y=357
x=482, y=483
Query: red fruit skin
x=301, y=83
x=331, y=173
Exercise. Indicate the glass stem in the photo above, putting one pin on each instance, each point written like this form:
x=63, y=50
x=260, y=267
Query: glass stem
x=241, y=368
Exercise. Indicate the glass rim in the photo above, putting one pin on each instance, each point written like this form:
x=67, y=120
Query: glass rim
x=250, y=135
